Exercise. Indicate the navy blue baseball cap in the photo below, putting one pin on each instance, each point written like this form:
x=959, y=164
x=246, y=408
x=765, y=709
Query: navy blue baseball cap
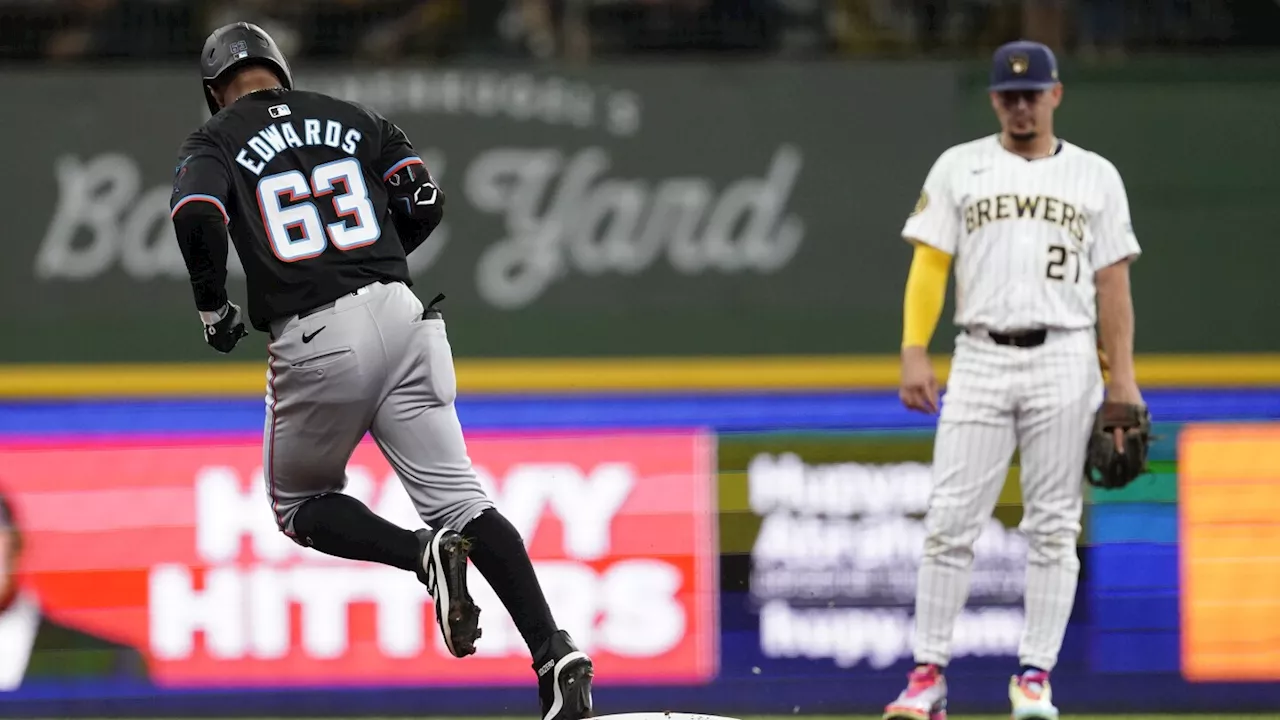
x=1023, y=65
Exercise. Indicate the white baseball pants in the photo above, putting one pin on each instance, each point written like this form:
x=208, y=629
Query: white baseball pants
x=1042, y=401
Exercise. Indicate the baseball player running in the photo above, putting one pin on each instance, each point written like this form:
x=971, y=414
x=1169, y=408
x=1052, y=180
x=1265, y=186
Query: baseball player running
x=1040, y=232
x=323, y=200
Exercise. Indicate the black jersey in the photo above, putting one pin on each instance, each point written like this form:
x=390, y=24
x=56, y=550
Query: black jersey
x=300, y=179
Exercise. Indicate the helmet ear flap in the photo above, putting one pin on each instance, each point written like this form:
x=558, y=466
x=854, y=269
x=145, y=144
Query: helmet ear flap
x=210, y=99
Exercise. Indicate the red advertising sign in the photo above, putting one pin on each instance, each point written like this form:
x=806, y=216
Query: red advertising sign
x=171, y=548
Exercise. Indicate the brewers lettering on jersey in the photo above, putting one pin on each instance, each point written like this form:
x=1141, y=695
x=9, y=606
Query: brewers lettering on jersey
x=1026, y=237
x=1039, y=234
x=324, y=200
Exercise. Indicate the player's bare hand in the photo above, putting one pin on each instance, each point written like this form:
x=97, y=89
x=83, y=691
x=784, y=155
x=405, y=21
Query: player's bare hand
x=919, y=387
x=1123, y=392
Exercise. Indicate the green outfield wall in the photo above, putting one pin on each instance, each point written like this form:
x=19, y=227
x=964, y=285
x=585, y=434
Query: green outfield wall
x=658, y=210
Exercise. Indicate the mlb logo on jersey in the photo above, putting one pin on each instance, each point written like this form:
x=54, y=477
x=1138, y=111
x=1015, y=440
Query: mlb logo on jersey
x=279, y=111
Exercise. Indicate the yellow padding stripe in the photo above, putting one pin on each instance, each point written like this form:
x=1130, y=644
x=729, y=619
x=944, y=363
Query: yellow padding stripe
x=597, y=375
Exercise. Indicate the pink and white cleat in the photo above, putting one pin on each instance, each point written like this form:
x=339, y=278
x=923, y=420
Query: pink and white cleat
x=1031, y=696
x=924, y=699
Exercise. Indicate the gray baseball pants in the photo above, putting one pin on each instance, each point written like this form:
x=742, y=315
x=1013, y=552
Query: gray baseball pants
x=371, y=363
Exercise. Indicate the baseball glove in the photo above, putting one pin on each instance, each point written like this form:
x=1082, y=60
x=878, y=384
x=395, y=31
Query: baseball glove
x=1106, y=467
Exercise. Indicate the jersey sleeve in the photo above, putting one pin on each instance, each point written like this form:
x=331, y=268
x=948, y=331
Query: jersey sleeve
x=198, y=208
x=935, y=219
x=1113, y=236
x=396, y=152
x=201, y=176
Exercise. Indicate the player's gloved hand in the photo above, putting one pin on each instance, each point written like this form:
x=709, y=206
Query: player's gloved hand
x=223, y=329
x=1116, y=453
x=1123, y=394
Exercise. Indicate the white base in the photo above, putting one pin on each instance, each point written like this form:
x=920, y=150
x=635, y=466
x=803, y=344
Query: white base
x=668, y=715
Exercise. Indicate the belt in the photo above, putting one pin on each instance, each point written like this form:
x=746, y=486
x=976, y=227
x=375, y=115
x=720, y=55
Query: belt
x=322, y=308
x=430, y=312
x=1024, y=339
x=331, y=305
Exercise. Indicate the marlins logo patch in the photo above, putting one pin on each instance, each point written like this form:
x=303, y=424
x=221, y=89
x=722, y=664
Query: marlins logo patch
x=180, y=171
x=921, y=204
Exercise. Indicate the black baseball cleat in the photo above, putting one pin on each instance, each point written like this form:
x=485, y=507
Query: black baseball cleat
x=564, y=679
x=443, y=569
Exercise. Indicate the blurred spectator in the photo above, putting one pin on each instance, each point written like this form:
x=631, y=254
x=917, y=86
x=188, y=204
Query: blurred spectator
x=913, y=26
x=38, y=648
x=396, y=30
x=137, y=29
x=951, y=23
x=1045, y=21
x=1108, y=28
x=1165, y=22
x=932, y=22
x=548, y=28
x=1182, y=23
x=682, y=26
x=1100, y=28
x=270, y=16
x=1249, y=22
x=25, y=26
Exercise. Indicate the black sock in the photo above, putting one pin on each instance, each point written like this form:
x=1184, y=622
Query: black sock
x=1032, y=668
x=499, y=554
x=342, y=526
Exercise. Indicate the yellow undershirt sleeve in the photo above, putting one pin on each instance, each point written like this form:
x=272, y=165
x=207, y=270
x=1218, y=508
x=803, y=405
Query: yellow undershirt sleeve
x=926, y=292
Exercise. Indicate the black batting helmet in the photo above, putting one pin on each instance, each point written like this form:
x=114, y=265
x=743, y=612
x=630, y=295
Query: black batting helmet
x=234, y=46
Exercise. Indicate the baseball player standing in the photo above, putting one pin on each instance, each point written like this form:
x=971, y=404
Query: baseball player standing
x=1041, y=236
x=324, y=200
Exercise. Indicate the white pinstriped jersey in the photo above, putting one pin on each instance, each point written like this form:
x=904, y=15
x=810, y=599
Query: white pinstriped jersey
x=1027, y=235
